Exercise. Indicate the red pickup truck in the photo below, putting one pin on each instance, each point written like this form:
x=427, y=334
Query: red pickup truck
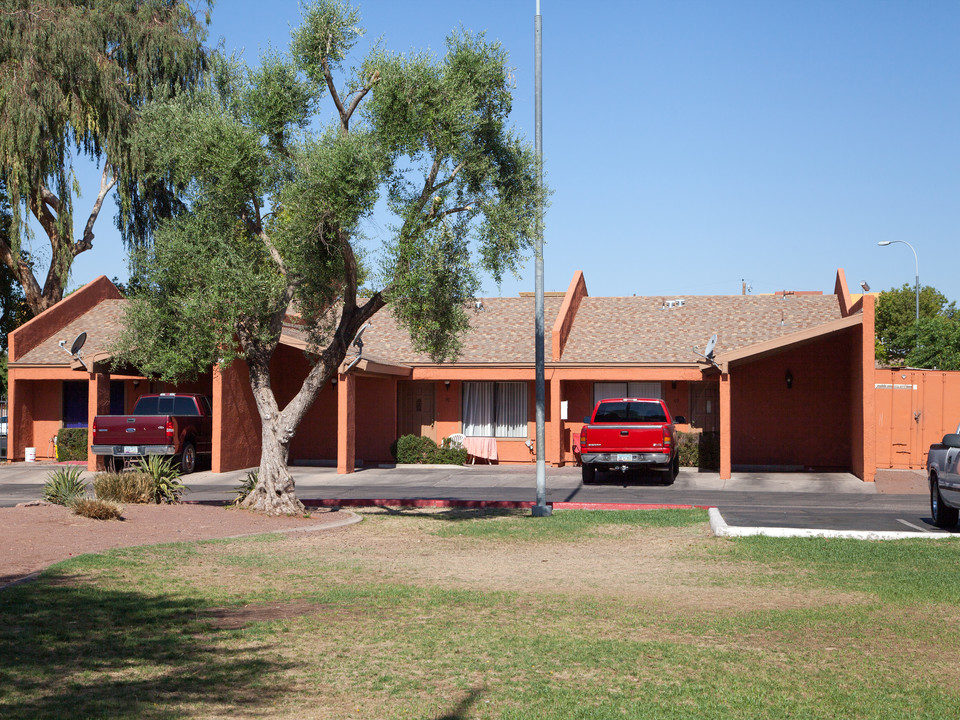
x=174, y=424
x=630, y=434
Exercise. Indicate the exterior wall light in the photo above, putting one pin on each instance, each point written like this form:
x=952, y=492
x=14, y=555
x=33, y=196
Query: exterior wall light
x=446, y=384
x=789, y=379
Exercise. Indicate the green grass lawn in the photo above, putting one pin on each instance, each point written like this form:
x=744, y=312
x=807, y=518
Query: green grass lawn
x=471, y=614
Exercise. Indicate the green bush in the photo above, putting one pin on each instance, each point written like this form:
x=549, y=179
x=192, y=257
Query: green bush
x=129, y=487
x=165, y=476
x=72, y=444
x=699, y=450
x=64, y=486
x=416, y=450
x=97, y=509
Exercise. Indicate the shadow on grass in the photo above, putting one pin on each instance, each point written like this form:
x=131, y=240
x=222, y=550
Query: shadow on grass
x=73, y=649
x=453, y=514
x=462, y=710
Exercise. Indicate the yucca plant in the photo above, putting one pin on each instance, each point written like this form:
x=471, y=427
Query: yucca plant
x=167, y=487
x=97, y=508
x=246, y=486
x=64, y=485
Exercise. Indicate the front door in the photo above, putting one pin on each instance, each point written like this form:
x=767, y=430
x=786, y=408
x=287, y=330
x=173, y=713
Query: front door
x=415, y=412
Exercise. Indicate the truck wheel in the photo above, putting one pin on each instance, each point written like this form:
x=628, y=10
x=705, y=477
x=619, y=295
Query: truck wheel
x=112, y=464
x=667, y=477
x=589, y=473
x=943, y=516
x=188, y=459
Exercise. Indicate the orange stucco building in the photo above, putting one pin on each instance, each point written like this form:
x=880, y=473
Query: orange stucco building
x=790, y=385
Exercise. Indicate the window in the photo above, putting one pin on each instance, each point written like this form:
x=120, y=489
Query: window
x=495, y=409
x=621, y=412
x=602, y=391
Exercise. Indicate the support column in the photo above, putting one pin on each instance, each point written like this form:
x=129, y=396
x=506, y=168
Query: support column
x=19, y=426
x=869, y=404
x=554, y=428
x=725, y=425
x=346, y=424
x=98, y=403
x=216, y=422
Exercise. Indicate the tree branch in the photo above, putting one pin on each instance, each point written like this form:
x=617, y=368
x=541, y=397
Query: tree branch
x=107, y=181
x=346, y=112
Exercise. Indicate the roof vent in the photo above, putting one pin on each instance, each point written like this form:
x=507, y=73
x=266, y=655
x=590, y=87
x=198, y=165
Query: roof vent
x=674, y=303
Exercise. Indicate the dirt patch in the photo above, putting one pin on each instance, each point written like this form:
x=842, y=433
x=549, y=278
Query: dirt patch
x=34, y=537
x=664, y=568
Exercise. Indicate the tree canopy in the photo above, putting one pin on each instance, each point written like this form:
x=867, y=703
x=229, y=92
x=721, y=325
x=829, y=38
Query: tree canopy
x=73, y=75
x=276, y=201
x=933, y=342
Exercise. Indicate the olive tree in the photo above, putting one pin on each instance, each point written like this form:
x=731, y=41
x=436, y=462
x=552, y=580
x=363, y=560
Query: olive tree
x=73, y=75
x=276, y=202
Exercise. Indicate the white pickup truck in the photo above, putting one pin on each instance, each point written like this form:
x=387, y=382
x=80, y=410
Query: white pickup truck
x=942, y=460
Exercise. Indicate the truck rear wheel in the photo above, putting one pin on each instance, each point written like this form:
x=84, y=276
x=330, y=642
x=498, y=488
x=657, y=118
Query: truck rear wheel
x=943, y=516
x=112, y=464
x=589, y=473
x=188, y=458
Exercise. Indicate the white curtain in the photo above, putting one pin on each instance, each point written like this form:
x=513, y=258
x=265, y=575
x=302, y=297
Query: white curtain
x=495, y=409
x=512, y=409
x=478, y=409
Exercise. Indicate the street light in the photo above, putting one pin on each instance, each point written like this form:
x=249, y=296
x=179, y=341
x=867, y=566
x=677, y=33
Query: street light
x=884, y=243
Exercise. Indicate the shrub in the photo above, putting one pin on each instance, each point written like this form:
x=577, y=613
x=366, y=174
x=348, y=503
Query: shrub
x=699, y=450
x=72, y=444
x=246, y=486
x=129, y=487
x=64, y=485
x=417, y=450
x=165, y=476
x=97, y=508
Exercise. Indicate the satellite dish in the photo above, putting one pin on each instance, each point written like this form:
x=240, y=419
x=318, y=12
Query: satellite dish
x=711, y=344
x=78, y=343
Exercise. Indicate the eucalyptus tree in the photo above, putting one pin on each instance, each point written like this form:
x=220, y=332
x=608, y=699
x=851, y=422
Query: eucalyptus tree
x=277, y=202
x=73, y=74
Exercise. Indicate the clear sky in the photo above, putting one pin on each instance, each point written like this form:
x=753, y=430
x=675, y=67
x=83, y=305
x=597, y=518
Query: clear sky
x=694, y=144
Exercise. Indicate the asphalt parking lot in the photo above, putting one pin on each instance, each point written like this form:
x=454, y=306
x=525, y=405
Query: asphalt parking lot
x=898, y=502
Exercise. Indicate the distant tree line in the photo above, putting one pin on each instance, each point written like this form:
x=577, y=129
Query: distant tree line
x=931, y=342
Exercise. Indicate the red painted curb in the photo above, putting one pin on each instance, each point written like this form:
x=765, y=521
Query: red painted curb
x=494, y=504
x=382, y=502
x=623, y=506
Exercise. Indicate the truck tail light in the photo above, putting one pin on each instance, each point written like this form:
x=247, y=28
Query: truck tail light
x=169, y=431
x=583, y=437
x=94, y=426
x=667, y=436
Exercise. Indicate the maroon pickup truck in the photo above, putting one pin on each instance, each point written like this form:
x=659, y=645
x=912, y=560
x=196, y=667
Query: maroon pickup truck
x=630, y=434
x=178, y=425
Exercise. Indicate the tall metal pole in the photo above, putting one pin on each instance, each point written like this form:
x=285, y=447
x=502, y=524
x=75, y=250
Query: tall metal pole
x=916, y=263
x=540, y=509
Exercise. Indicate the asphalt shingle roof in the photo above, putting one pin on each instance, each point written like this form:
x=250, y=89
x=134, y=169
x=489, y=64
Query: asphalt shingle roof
x=606, y=329
x=102, y=323
x=646, y=330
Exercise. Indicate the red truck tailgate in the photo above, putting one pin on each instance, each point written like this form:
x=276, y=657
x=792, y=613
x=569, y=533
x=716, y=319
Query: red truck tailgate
x=625, y=438
x=130, y=430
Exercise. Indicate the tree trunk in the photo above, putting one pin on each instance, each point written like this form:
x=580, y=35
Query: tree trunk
x=275, y=493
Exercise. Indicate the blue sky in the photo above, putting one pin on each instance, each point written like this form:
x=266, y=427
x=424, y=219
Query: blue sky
x=694, y=144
